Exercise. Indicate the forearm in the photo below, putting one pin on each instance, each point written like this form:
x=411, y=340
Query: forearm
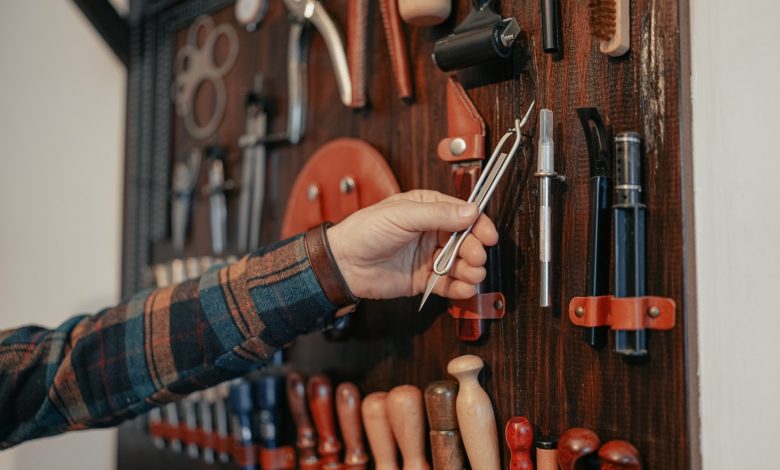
x=96, y=371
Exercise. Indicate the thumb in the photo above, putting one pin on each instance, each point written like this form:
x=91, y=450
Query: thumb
x=430, y=216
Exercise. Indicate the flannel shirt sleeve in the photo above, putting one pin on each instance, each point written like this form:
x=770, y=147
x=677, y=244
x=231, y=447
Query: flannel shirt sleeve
x=98, y=370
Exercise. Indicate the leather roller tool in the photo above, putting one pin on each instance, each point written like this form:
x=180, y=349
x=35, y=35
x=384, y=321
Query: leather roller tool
x=519, y=435
x=616, y=455
x=475, y=414
x=252, y=195
x=407, y=420
x=348, y=412
x=306, y=441
x=483, y=36
x=303, y=13
x=576, y=448
x=321, y=405
x=446, y=444
x=380, y=436
x=218, y=210
x=185, y=177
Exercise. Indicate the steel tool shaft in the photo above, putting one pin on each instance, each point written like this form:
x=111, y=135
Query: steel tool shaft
x=483, y=190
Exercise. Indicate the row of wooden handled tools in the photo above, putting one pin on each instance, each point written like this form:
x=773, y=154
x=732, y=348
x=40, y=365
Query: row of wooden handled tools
x=276, y=419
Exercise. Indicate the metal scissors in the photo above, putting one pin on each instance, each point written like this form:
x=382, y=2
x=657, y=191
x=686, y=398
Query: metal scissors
x=483, y=190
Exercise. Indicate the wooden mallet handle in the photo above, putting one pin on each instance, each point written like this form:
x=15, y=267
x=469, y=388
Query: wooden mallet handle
x=446, y=444
x=475, y=414
x=519, y=436
x=321, y=405
x=616, y=455
x=575, y=445
x=407, y=420
x=380, y=436
x=348, y=411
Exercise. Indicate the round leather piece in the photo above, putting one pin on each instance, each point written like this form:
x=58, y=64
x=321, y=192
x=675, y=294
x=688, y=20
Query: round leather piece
x=341, y=177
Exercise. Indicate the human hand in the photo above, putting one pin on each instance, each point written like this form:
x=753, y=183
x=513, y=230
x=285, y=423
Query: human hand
x=387, y=250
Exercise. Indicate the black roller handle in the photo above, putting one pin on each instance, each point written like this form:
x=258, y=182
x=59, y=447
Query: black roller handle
x=550, y=33
x=597, y=276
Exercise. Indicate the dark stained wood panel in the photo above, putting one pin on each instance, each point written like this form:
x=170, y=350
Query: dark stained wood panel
x=536, y=362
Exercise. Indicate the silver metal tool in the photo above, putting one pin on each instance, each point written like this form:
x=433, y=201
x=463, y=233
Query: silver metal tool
x=301, y=14
x=218, y=209
x=252, y=196
x=185, y=176
x=483, y=190
x=545, y=171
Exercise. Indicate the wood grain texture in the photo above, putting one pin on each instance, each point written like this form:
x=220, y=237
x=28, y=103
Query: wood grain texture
x=536, y=362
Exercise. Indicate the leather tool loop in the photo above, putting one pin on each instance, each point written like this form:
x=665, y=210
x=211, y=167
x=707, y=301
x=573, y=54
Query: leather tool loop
x=465, y=127
x=624, y=313
x=490, y=306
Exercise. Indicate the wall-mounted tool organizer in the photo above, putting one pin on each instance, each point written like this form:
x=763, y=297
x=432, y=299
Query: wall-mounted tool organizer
x=536, y=364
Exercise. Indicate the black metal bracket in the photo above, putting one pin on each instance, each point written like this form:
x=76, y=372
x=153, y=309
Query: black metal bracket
x=114, y=29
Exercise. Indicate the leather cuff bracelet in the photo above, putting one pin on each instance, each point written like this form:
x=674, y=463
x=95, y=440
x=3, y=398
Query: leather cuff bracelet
x=325, y=268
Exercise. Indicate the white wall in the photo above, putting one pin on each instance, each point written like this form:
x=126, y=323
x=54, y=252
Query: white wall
x=62, y=95
x=736, y=135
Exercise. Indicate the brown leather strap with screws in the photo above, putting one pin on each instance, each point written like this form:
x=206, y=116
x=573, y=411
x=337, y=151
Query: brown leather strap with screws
x=325, y=268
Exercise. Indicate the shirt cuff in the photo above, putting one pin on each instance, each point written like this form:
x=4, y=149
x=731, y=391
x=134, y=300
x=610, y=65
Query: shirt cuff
x=326, y=269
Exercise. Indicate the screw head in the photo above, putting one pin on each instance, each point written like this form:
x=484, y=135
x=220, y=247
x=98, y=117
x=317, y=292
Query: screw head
x=347, y=185
x=312, y=192
x=654, y=312
x=498, y=305
x=579, y=312
x=457, y=146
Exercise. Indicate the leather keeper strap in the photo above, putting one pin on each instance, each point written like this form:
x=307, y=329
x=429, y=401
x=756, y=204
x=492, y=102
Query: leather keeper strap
x=623, y=313
x=325, y=268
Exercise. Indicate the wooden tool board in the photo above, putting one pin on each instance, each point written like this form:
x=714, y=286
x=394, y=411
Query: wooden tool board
x=536, y=362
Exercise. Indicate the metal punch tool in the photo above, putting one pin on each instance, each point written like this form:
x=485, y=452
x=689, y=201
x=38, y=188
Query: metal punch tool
x=491, y=175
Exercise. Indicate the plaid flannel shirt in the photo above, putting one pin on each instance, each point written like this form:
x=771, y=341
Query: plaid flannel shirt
x=98, y=370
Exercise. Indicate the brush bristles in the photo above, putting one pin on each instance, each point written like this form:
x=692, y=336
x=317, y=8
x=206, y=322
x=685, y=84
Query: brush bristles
x=602, y=18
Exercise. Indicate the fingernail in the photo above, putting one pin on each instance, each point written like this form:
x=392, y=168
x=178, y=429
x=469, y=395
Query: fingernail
x=467, y=210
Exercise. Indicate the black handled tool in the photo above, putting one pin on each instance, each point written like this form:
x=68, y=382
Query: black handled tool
x=597, y=138
x=629, y=220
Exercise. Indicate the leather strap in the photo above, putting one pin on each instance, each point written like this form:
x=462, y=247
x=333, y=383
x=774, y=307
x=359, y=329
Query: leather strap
x=623, y=313
x=396, y=44
x=465, y=127
x=325, y=268
x=357, y=40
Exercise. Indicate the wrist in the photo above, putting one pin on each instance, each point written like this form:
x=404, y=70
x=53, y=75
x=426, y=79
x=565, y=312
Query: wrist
x=326, y=268
x=335, y=240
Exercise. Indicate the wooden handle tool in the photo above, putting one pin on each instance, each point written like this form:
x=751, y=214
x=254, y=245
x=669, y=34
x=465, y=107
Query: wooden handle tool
x=348, y=411
x=321, y=405
x=616, y=455
x=306, y=437
x=407, y=420
x=574, y=447
x=446, y=444
x=547, y=454
x=475, y=414
x=380, y=436
x=519, y=436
